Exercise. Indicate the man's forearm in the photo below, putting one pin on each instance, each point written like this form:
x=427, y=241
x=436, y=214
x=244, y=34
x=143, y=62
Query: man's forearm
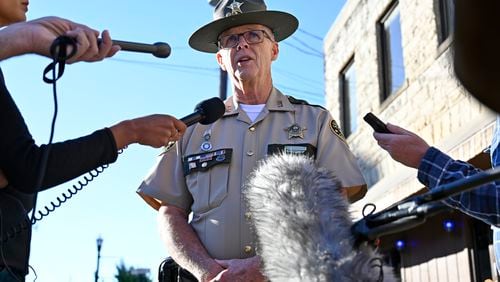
x=184, y=245
x=11, y=42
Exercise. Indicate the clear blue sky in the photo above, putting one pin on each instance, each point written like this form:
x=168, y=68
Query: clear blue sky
x=92, y=96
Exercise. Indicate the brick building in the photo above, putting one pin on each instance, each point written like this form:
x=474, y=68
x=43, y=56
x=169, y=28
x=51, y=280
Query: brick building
x=393, y=58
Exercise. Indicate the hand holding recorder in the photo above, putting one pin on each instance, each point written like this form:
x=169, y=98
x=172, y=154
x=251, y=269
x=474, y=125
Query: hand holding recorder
x=404, y=146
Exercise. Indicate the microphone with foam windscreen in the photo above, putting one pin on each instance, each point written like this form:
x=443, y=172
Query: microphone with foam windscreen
x=303, y=225
x=206, y=112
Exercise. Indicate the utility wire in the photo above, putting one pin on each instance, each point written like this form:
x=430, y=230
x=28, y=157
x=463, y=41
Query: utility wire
x=314, y=100
x=214, y=72
x=295, y=77
x=179, y=68
x=307, y=46
x=303, y=50
x=310, y=34
x=305, y=92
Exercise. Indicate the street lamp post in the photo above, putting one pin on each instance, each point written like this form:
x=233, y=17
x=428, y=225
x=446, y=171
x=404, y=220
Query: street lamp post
x=99, y=244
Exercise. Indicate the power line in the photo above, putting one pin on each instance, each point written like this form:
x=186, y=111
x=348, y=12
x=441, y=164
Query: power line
x=307, y=46
x=179, y=68
x=310, y=34
x=295, y=77
x=303, y=50
x=297, y=93
x=305, y=92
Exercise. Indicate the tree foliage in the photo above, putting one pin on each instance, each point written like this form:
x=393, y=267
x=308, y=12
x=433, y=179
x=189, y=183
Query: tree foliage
x=128, y=274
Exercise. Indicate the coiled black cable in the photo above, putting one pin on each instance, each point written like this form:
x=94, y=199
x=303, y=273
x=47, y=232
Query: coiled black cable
x=89, y=177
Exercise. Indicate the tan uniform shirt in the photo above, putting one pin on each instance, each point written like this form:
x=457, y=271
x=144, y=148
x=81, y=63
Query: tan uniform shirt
x=207, y=169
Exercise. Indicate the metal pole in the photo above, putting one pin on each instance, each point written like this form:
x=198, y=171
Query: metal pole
x=99, y=245
x=223, y=85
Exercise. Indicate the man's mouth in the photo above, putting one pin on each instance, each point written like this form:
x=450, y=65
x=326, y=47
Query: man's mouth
x=243, y=60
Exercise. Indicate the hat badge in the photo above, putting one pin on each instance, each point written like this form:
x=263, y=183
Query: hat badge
x=235, y=8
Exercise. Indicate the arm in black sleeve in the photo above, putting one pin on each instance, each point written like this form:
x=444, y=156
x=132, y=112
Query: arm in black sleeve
x=20, y=156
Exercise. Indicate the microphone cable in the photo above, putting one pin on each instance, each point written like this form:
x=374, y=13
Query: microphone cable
x=59, y=54
x=58, y=51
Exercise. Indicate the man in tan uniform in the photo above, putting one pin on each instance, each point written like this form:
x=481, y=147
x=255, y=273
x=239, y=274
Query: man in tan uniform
x=206, y=171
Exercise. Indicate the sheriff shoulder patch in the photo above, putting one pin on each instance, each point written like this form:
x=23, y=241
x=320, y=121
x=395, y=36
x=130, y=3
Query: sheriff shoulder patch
x=336, y=130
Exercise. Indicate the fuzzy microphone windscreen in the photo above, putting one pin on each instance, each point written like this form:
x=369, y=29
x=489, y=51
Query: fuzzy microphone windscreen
x=303, y=225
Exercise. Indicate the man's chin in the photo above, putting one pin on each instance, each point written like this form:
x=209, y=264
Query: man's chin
x=244, y=75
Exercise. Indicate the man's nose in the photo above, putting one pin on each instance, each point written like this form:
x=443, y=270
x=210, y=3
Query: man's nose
x=242, y=42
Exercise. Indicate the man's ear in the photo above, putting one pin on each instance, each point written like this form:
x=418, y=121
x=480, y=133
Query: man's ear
x=218, y=56
x=275, y=51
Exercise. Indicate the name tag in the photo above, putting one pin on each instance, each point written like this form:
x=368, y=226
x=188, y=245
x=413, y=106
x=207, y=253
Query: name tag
x=204, y=161
x=295, y=149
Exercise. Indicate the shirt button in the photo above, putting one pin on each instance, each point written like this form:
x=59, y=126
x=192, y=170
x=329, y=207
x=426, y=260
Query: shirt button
x=250, y=153
x=252, y=129
x=247, y=249
x=248, y=215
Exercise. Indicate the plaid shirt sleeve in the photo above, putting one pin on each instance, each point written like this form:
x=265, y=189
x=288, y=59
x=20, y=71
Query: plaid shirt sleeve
x=483, y=202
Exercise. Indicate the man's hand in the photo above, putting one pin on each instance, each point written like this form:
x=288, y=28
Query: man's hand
x=247, y=270
x=37, y=36
x=404, y=146
x=154, y=130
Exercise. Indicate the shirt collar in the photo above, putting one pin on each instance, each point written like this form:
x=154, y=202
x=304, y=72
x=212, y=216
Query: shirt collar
x=277, y=101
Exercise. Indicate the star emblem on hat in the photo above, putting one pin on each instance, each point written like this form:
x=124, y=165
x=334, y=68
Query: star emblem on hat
x=235, y=8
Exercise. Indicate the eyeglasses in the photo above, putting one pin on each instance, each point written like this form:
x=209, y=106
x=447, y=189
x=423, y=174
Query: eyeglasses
x=251, y=37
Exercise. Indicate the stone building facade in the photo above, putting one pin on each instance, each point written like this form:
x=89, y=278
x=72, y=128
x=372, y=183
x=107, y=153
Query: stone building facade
x=430, y=102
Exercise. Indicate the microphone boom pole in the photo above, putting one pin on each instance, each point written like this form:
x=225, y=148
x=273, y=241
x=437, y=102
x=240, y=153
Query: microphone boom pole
x=413, y=212
x=456, y=187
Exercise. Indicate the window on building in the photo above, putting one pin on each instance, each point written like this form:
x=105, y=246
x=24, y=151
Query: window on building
x=393, y=72
x=349, y=99
x=446, y=19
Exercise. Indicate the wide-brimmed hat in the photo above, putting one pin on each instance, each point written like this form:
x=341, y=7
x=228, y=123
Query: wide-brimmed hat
x=231, y=13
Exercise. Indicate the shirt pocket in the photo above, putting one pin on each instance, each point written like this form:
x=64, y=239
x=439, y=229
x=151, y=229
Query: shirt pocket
x=208, y=185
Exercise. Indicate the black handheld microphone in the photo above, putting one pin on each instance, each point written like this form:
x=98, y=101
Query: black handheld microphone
x=206, y=112
x=158, y=49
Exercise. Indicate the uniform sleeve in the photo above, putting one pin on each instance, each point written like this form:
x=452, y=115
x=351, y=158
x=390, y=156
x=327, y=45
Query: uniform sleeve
x=334, y=154
x=20, y=157
x=482, y=202
x=165, y=182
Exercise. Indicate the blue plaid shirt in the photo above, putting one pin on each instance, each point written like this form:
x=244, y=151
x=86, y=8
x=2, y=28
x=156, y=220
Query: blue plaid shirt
x=483, y=202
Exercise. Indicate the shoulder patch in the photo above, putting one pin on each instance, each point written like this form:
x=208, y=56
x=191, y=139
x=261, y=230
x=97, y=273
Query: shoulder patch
x=334, y=127
x=296, y=101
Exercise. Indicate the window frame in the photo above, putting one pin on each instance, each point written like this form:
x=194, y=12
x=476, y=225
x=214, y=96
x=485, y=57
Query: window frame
x=385, y=74
x=446, y=20
x=345, y=94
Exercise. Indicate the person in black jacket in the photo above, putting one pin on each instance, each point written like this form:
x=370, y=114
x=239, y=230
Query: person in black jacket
x=20, y=157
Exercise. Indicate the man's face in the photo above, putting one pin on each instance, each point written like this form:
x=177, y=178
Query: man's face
x=12, y=11
x=247, y=60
